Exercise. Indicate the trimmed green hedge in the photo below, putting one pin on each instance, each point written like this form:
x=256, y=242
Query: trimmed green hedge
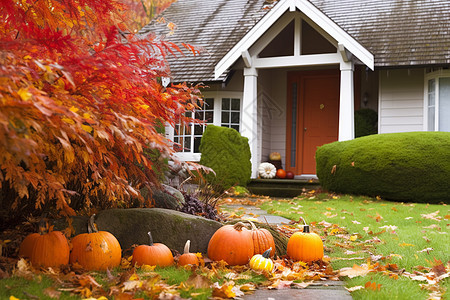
x=228, y=153
x=412, y=166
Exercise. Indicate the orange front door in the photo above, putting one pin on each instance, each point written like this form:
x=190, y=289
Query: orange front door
x=312, y=118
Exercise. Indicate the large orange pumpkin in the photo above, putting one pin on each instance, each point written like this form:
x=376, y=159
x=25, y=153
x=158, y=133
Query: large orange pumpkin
x=96, y=250
x=153, y=254
x=45, y=249
x=305, y=246
x=188, y=258
x=262, y=240
x=231, y=243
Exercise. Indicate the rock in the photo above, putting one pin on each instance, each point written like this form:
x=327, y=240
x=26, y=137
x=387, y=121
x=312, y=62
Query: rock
x=172, y=228
x=165, y=197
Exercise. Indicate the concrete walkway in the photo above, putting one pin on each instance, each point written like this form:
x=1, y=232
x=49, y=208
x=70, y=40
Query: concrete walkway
x=319, y=290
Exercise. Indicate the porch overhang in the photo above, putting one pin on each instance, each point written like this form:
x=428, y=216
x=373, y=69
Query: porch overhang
x=347, y=44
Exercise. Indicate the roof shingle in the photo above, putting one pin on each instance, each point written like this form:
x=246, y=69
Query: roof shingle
x=396, y=32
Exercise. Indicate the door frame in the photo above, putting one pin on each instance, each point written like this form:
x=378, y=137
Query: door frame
x=297, y=77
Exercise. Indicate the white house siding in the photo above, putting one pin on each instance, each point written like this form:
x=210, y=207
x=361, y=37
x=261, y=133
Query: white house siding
x=272, y=108
x=401, y=103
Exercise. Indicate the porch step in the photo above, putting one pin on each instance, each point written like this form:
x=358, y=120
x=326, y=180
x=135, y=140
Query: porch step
x=282, y=187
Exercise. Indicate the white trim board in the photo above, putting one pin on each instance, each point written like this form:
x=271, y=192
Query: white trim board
x=276, y=13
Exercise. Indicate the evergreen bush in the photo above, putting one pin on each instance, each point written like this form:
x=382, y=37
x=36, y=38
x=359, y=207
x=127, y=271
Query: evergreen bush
x=366, y=122
x=228, y=153
x=412, y=166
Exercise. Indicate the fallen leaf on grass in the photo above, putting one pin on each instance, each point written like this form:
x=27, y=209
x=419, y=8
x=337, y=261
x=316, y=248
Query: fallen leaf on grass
x=372, y=286
x=355, y=271
x=223, y=291
x=355, y=288
x=432, y=216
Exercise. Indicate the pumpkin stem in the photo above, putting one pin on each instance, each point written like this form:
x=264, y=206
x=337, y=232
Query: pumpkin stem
x=43, y=226
x=150, y=243
x=306, y=229
x=239, y=225
x=187, y=246
x=266, y=253
x=253, y=225
x=91, y=225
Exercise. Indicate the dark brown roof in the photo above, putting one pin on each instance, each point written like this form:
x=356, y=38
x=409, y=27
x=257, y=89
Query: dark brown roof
x=396, y=32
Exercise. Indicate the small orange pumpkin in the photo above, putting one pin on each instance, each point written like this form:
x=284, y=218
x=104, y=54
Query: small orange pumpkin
x=262, y=240
x=281, y=174
x=305, y=246
x=45, y=250
x=188, y=258
x=96, y=250
x=153, y=254
x=231, y=243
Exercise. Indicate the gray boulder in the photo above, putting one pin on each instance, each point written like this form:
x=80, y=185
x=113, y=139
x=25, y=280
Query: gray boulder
x=164, y=197
x=130, y=226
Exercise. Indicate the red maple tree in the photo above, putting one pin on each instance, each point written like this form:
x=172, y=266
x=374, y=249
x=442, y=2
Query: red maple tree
x=80, y=101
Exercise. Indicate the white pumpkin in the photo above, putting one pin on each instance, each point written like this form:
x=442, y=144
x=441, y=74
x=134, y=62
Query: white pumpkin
x=267, y=170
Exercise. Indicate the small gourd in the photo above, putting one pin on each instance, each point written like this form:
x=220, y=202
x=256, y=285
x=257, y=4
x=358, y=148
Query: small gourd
x=262, y=262
x=45, y=249
x=267, y=170
x=305, y=246
x=153, y=254
x=96, y=250
x=188, y=258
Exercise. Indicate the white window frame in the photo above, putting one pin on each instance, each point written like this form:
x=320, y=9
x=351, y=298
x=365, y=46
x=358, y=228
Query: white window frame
x=436, y=75
x=217, y=120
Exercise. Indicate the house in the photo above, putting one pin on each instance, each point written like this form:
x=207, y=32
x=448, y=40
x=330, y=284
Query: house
x=289, y=74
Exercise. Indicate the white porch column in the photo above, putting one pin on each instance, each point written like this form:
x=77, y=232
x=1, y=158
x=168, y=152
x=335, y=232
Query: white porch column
x=346, y=103
x=249, y=116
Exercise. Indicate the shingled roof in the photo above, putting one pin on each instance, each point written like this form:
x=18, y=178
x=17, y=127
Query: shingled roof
x=396, y=32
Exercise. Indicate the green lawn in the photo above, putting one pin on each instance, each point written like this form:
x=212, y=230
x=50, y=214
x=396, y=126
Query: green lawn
x=409, y=235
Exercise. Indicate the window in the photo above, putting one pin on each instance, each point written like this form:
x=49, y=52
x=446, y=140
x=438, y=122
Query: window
x=231, y=113
x=187, y=138
x=220, y=109
x=438, y=101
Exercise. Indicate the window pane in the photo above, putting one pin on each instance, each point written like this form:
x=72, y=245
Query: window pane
x=294, y=126
x=209, y=103
x=225, y=117
x=187, y=144
x=198, y=129
x=431, y=120
x=431, y=93
x=235, y=104
x=197, y=144
x=209, y=116
x=235, y=127
x=235, y=117
x=199, y=115
x=444, y=104
x=225, y=103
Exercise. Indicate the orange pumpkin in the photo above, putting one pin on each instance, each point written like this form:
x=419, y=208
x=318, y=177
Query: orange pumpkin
x=45, y=249
x=231, y=243
x=96, y=250
x=262, y=240
x=153, y=254
x=281, y=173
x=188, y=258
x=305, y=246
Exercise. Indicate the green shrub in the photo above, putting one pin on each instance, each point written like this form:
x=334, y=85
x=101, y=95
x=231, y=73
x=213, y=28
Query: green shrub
x=366, y=122
x=226, y=152
x=412, y=166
